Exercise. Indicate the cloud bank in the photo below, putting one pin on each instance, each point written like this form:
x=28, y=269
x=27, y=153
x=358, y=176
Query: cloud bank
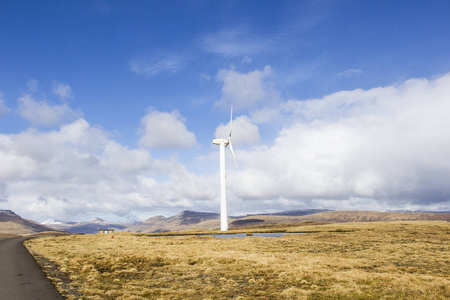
x=386, y=147
x=78, y=170
x=381, y=148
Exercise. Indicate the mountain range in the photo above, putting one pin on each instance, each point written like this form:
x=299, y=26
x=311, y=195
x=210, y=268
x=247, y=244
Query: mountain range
x=89, y=227
x=12, y=223
x=188, y=220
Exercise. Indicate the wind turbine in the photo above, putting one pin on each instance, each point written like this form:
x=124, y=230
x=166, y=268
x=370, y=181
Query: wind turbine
x=223, y=184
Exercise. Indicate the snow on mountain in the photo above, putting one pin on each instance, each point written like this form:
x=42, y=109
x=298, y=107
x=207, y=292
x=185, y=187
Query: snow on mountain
x=56, y=222
x=96, y=220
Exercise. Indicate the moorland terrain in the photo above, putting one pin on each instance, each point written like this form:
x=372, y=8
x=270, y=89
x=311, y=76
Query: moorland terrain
x=343, y=255
x=358, y=260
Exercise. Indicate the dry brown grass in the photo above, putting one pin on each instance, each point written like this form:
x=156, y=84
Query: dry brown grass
x=388, y=260
x=7, y=235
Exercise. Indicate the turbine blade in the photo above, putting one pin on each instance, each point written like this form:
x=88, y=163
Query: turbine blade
x=231, y=123
x=232, y=153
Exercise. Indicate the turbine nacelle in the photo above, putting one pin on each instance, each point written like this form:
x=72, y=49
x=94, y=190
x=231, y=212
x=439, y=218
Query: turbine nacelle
x=221, y=141
x=225, y=142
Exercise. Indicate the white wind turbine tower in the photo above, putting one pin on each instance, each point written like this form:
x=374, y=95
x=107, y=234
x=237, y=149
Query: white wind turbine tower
x=223, y=184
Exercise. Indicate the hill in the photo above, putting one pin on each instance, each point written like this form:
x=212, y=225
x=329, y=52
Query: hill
x=185, y=220
x=293, y=213
x=189, y=220
x=339, y=216
x=11, y=223
x=344, y=216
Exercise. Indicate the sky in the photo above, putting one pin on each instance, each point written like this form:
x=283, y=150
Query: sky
x=109, y=108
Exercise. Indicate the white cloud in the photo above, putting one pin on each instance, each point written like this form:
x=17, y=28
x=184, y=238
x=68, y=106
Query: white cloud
x=3, y=108
x=204, y=77
x=350, y=73
x=246, y=91
x=164, y=64
x=246, y=60
x=42, y=113
x=244, y=132
x=32, y=85
x=379, y=148
x=63, y=90
x=163, y=130
x=233, y=42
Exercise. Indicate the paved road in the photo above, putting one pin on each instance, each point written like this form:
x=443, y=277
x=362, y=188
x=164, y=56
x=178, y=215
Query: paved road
x=20, y=276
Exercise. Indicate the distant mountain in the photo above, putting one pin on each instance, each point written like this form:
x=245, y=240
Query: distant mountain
x=88, y=227
x=183, y=221
x=96, y=220
x=14, y=224
x=190, y=220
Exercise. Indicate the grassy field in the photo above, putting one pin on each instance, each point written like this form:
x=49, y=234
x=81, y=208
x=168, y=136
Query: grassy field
x=382, y=260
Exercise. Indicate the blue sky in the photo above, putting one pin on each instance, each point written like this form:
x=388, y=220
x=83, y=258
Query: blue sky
x=108, y=108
